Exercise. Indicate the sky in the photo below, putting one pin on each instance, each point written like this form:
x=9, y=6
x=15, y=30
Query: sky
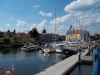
x=23, y=15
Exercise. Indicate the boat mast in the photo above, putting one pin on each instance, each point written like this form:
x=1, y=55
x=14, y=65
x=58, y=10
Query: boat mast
x=55, y=25
x=73, y=25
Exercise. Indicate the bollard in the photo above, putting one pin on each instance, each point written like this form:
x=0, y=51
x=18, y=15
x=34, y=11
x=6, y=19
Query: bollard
x=79, y=55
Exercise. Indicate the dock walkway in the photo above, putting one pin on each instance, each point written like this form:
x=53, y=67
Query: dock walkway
x=62, y=67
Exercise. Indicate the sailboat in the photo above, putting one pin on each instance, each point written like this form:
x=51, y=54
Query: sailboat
x=51, y=46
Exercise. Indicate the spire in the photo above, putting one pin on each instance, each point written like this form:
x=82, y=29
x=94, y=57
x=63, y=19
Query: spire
x=44, y=31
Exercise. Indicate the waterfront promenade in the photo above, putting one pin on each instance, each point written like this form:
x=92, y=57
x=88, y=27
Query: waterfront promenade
x=64, y=66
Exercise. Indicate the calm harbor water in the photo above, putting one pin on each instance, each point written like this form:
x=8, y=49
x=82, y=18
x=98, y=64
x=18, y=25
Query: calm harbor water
x=82, y=70
x=28, y=63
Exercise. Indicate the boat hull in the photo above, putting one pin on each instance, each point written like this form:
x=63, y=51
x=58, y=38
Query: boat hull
x=59, y=50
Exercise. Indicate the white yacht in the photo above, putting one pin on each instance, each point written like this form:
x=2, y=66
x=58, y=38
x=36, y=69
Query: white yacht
x=59, y=48
x=54, y=47
x=48, y=48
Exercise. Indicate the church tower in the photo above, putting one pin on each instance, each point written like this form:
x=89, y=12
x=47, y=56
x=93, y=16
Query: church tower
x=44, y=31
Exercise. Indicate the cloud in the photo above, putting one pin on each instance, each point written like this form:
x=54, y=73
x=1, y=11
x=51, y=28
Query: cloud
x=32, y=26
x=86, y=14
x=10, y=18
x=50, y=25
x=21, y=23
x=8, y=25
x=61, y=19
x=45, y=14
x=1, y=28
x=88, y=10
x=82, y=6
x=36, y=6
x=61, y=29
x=40, y=26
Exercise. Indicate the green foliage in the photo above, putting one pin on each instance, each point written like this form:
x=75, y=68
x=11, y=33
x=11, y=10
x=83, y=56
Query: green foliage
x=7, y=41
x=1, y=40
x=95, y=37
x=15, y=42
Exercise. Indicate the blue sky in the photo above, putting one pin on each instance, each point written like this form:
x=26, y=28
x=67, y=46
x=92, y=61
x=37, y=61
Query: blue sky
x=23, y=15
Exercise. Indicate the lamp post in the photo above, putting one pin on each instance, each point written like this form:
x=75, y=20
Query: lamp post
x=79, y=51
x=79, y=55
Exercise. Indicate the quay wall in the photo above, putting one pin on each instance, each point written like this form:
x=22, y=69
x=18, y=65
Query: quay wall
x=64, y=66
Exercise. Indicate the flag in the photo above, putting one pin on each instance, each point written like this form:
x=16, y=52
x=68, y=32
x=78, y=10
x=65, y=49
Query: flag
x=69, y=31
x=73, y=29
x=70, y=28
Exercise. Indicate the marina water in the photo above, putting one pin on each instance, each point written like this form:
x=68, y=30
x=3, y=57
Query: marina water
x=28, y=63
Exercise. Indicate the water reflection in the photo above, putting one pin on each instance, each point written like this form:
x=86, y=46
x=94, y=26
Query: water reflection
x=46, y=54
x=9, y=50
x=79, y=67
x=28, y=63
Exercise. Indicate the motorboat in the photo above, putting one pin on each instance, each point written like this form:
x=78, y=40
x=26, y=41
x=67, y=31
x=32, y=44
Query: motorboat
x=63, y=48
x=24, y=47
x=28, y=47
x=54, y=47
x=48, y=50
x=59, y=48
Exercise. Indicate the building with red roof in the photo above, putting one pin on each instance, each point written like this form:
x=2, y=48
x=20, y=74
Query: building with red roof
x=74, y=35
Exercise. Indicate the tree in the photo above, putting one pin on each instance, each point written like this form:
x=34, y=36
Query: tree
x=34, y=34
x=95, y=37
x=14, y=31
x=8, y=33
x=30, y=32
x=7, y=40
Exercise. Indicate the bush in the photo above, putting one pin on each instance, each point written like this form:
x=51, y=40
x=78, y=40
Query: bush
x=7, y=41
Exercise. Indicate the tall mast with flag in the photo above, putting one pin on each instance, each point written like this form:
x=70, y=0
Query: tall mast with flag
x=73, y=34
x=69, y=32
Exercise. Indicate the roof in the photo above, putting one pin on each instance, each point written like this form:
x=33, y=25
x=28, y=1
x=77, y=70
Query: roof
x=76, y=31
